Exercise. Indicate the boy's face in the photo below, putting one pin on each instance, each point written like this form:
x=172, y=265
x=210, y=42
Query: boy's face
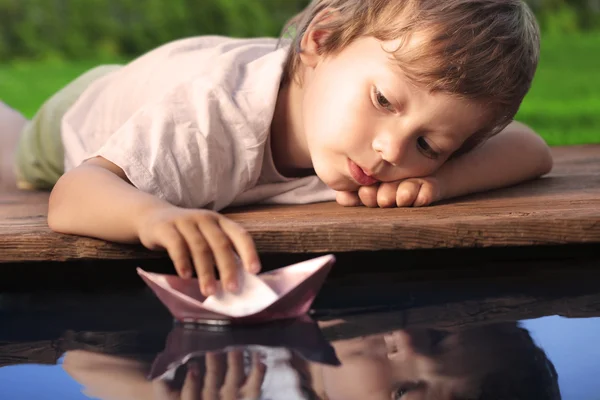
x=363, y=121
x=407, y=364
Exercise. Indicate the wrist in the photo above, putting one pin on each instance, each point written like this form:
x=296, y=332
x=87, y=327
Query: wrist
x=149, y=211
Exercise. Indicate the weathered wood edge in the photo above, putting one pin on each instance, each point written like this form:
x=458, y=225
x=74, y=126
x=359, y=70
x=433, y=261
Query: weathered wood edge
x=41, y=244
x=574, y=218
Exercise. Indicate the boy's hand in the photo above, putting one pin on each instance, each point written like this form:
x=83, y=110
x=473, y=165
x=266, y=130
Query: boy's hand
x=216, y=376
x=199, y=239
x=413, y=192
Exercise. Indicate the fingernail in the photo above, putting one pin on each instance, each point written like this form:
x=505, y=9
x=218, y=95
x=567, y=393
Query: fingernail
x=186, y=274
x=232, y=286
x=194, y=368
x=255, y=267
x=210, y=289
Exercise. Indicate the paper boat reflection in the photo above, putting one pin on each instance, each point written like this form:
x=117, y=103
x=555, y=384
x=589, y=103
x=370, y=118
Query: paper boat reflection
x=185, y=342
x=296, y=287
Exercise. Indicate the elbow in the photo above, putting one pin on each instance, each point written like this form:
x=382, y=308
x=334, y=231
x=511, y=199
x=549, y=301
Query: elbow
x=54, y=220
x=536, y=148
x=54, y=212
x=56, y=206
x=546, y=163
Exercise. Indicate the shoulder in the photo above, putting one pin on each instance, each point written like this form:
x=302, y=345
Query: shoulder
x=243, y=84
x=217, y=49
x=240, y=75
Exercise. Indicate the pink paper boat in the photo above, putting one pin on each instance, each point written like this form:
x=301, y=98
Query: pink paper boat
x=296, y=287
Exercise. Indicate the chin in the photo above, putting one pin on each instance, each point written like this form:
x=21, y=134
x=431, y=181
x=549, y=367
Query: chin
x=335, y=180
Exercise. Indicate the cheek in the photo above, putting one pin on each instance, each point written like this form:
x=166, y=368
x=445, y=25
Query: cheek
x=334, y=112
x=408, y=169
x=429, y=167
x=415, y=165
x=357, y=380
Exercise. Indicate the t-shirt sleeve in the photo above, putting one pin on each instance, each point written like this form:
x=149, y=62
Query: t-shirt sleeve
x=178, y=149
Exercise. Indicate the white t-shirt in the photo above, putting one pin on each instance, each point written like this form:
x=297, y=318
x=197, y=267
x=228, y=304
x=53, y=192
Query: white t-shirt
x=189, y=122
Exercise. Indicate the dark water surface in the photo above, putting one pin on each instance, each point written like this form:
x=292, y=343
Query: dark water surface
x=369, y=337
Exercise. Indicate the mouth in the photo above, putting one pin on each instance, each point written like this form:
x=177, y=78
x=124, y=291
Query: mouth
x=359, y=175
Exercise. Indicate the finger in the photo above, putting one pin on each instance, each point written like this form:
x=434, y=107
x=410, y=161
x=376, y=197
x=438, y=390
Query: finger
x=178, y=251
x=427, y=195
x=215, y=375
x=407, y=193
x=201, y=255
x=368, y=195
x=348, y=199
x=386, y=195
x=235, y=369
x=243, y=243
x=193, y=383
x=252, y=387
x=235, y=376
x=222, y=250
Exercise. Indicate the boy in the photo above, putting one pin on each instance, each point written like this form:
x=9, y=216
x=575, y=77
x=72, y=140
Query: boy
x=496, y=361
x=379, y=102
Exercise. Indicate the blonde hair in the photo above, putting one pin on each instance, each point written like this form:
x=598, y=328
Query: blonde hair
x=481, y=50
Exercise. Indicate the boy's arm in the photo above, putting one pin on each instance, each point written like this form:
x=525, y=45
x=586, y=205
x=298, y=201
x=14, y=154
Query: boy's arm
x=514, y=155
x=96, y=199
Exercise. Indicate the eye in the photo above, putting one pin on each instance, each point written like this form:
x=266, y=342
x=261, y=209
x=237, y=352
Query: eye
x=425, y=148
x=399, y=393
x=405, y=388
x=383, y=101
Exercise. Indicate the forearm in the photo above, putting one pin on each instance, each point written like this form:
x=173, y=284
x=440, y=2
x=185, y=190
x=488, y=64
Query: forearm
x=514, y=155
x=94, y=201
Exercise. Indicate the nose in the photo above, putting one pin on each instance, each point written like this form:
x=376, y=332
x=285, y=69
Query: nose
x=390, y=147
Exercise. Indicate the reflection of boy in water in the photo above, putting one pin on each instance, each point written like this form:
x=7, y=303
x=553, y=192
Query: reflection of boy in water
x=496, y=362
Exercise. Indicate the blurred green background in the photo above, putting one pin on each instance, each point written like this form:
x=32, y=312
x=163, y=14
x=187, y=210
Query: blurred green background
x=46, y=43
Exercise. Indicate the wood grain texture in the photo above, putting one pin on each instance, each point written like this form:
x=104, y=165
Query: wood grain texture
x=561, y=208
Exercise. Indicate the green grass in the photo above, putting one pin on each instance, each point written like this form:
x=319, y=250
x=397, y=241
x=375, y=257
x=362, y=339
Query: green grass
x=26, y=85
x=564, y=102
x=563, y=105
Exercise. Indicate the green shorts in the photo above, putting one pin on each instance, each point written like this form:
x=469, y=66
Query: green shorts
x=39, y=160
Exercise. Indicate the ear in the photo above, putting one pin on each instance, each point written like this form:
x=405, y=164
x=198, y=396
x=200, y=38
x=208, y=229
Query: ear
x=311, y=52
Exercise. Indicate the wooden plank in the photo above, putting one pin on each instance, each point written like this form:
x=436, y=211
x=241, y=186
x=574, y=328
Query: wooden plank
x=562, y=208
